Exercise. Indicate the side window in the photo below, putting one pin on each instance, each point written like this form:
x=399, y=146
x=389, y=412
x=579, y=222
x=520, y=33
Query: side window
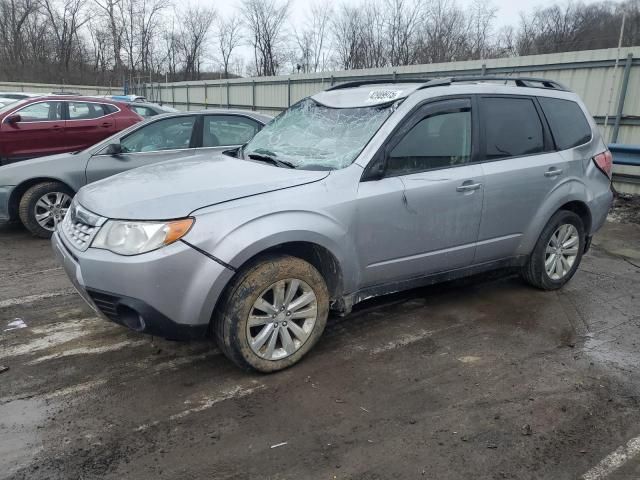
x=438, y=141
x=168, y=134
x=223, y=130
x=84, y=110
x=108, y=109
x=568, y=125
x=512, y=127
x=41, y=112
x=143, y=111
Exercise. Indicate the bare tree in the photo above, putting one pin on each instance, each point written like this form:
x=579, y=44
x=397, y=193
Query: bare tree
x=403, y=21
x=265, y=20
x=229, y=37
x=109, y=9
x=195, y=24
x=311, y=39
x=65, y=21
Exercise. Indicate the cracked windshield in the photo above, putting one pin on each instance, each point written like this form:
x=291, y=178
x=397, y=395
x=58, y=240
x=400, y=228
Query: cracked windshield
x=312, y=136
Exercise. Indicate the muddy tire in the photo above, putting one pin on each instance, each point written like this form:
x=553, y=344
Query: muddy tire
x=557, y=253
x=51, y=198
x=272, y=313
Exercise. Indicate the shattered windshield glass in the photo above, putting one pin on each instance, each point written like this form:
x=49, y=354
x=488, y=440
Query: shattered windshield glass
x=312, y=136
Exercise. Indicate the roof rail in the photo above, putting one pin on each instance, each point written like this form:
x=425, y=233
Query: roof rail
x=375, y=81
x=534, y=82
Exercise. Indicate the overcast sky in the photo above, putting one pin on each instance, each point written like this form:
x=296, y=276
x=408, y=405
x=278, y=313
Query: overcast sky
x=508, y=11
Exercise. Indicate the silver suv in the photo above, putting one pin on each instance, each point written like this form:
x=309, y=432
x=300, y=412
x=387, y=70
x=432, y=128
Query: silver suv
x=360, y=190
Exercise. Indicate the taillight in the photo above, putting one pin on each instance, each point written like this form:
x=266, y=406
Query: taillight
x=604, y=161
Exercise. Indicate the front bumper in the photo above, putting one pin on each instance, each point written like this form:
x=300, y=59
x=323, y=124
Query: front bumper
x=170, y=292
x=5, y=195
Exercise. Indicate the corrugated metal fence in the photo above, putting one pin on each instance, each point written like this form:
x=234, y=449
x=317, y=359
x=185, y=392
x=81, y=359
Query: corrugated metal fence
x=58, y=88
x=608, y=91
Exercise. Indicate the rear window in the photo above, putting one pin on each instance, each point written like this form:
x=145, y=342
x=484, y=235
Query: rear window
x=513, y=127
x=568, y=124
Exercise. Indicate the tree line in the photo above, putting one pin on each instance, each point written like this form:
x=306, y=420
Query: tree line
x=106, y=42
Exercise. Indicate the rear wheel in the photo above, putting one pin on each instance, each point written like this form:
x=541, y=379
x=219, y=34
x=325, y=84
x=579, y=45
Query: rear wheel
x=272, y=314
x=557, y=253
x=43, y=206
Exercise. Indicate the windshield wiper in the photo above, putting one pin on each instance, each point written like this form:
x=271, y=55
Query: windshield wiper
x=272, y=160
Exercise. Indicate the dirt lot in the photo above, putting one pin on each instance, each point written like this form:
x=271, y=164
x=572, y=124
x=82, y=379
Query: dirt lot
x=482, y=379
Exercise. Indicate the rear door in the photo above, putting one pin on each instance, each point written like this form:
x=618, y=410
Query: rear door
x=520, y=169
x=160, y=140
x=39, y=132
x=87, y=123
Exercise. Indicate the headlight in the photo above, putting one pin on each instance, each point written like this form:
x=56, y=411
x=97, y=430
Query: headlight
x=132, y=238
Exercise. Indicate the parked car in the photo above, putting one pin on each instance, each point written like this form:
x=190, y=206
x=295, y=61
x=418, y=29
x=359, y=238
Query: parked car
x=19, y=95
x=6, y=101
x=357, y=191
x=127, y=98
x=148, y=109
x=40, y=126
x=39, y=191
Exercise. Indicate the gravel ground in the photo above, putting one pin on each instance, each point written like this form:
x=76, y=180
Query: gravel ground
x=483, y=378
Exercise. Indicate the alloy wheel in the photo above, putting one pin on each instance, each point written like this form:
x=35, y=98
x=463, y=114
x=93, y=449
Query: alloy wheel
x=561, y=251
x=281, y=319
x=51, y=208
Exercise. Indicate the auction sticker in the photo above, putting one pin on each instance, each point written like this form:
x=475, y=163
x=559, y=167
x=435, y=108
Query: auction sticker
x=383, y=95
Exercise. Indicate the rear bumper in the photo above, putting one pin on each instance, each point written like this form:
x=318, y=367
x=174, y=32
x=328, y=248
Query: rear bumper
x=170, y=292
x=5, y=195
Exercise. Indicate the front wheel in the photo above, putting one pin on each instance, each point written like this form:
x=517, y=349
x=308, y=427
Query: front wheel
x=557, y=253
x=272, y=314
x=43, y=206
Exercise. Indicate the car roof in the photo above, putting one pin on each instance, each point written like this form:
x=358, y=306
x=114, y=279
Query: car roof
x=72, y=98
x=221, y=111
x=366, y=93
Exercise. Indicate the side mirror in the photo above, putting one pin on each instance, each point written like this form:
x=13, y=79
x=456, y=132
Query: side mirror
x=14, y=118
x=113, y=149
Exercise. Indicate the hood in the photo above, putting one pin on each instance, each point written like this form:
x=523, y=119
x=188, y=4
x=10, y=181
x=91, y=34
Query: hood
x=176, y=188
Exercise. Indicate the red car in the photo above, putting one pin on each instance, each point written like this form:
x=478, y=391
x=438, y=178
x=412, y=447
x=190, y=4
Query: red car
x=47, y=125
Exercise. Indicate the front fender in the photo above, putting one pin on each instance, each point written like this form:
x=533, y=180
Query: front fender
x=248, y=239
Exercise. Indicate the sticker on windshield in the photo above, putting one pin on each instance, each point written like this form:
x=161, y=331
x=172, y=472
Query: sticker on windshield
x=383, y=95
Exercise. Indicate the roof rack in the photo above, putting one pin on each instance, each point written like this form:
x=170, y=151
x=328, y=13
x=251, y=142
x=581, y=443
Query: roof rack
x=533, y=82
x=375, y=81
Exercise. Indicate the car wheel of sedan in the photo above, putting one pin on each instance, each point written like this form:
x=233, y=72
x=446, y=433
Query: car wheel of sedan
x=272, y=314
x=43, y=206
x=557, y=253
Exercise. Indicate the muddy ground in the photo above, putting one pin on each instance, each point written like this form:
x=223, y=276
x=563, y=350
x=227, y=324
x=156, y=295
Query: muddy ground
x=479, y=379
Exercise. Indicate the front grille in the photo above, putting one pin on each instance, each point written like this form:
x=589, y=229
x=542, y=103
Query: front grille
x=77, y=230
x=107, y=304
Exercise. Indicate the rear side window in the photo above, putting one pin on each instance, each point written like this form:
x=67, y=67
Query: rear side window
x=512, y=127
x=84, y=110
x=223, y=130
x=568, y=125
x=108, y=109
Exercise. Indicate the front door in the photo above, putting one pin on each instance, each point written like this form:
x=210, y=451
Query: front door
x=39, y=132
x=423, y=216
x=157, y=141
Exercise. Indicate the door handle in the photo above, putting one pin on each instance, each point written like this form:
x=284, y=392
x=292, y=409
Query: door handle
x=466, y=187
x=553, y=172
x=107, y=124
